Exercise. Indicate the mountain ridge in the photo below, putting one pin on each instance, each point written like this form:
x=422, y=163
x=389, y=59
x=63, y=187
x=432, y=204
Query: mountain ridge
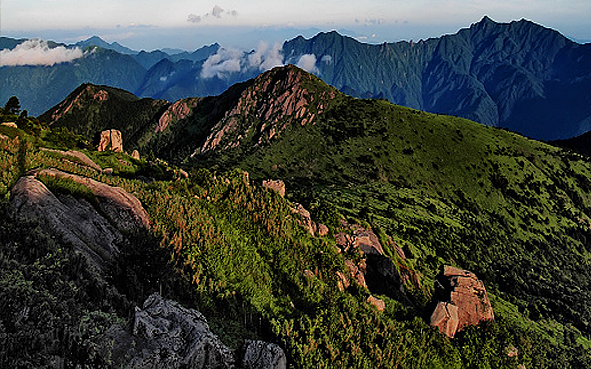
x=518, y=75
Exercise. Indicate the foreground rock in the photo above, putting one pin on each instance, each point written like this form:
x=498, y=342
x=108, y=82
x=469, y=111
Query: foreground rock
x=110, y=140
x=462, y=301
x=165, y=334
x=92, y=228
x=168, y=335
x=263, y=355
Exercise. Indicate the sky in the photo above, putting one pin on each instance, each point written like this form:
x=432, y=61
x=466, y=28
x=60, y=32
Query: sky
x=188, y=25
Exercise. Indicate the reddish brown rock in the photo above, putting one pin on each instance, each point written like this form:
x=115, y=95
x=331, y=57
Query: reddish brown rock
x=322, y=230
x=357, y=272
x=377, y=303
x=445, y=318
x=275, y=185
x=110, y=140
x=306, y=220
x=342, y=282
x=360, y=238
x=10, y=124
x=462, y=289
x=135, y=154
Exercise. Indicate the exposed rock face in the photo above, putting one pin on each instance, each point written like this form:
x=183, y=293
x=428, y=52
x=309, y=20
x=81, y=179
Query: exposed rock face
x=168, y=335
x=79, y=156
x=275, y=185
x=376, y=271
x=121, y=208
x=110, y=140
x=135, y=154
x=462, y=301
x=175, y=112
x=76, y=220
x=276, y=100
x=10, y=124
x=263, y=355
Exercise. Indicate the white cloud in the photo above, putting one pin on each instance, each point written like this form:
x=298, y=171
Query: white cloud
x=38, y=52
x=308, y=63
x=228, y=61
x=222, y=64
x=194, y=18
x=265, y=58
x=217, y=12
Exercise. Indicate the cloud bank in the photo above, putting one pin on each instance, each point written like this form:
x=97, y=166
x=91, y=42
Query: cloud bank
x=231, y=61
x=38, y=52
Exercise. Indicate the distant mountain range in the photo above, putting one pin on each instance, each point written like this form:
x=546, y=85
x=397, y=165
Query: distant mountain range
x=517, y=75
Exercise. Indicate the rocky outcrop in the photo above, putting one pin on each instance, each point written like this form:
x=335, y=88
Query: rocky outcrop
x=110, y=140
x=462, y=301
x=93, y=228
x=74, y=220
x=306, y=221
x=167, y=335
x=375, y=270
x=275, y=185
x=135, y=154
x=376, y=302
x=76, y=156
x=263, y=355
x=120, y=207
x=10, y=124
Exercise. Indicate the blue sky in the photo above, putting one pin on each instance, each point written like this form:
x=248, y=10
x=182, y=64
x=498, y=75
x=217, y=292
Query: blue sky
x=151, y=24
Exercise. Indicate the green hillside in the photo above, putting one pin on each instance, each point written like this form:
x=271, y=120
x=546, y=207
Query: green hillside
x=447, y=190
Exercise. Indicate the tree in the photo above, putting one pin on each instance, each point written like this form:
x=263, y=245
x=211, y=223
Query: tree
x=12, y=106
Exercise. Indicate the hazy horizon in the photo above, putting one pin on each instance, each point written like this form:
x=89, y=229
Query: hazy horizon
x=189, y=25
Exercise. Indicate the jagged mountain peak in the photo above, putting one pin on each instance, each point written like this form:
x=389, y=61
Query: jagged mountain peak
x=272, y=102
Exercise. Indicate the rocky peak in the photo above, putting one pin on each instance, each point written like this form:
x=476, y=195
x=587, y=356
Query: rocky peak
x=275, y=100
x=175, y=112
x=78, y=99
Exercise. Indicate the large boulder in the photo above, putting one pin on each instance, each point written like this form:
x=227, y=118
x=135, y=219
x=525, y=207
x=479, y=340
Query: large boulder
x=463, y=301
x=74, y=220
x=110, y=140
x=168, y=335
x=93, y=228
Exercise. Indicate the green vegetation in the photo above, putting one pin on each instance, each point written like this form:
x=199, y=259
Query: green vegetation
x=447, y=190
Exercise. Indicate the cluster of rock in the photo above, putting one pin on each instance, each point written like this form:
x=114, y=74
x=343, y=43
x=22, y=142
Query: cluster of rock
x=167, y=335
x=375, y=271
x=462, y=301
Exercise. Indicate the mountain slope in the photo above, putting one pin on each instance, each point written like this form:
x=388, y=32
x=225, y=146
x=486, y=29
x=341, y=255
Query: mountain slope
x=509, y=75
x=435, y=190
